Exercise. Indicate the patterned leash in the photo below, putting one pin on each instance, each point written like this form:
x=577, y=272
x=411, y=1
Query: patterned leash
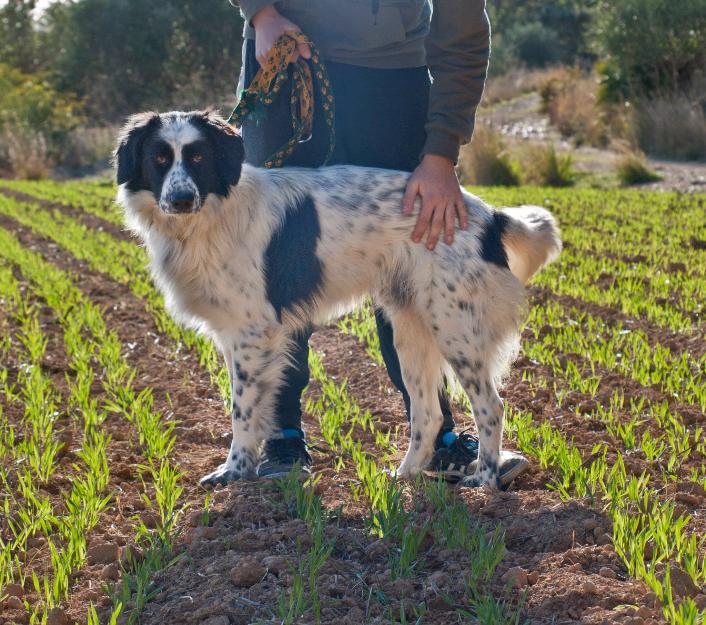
x=267, y=84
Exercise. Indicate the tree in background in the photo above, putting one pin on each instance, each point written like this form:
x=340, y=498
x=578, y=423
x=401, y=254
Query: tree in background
x=540, y=32
x=650, y=46
x=18, y=40
x=121, y=56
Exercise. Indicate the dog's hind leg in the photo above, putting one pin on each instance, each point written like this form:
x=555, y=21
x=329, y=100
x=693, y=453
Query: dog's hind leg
x=254, y=368
x=421, y=367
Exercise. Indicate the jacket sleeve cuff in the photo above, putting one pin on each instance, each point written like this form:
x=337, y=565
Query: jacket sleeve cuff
x=442, y=144
x=250, y=7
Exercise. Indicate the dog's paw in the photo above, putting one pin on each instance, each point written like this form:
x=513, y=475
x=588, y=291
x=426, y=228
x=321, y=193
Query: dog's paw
x=480, y=479
x=222, y=475
x=407, y=471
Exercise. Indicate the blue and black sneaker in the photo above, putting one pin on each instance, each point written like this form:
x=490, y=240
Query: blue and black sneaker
x=456, y=457
x=281, y=454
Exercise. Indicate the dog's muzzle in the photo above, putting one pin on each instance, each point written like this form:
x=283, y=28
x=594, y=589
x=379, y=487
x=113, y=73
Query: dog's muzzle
x=181, y=201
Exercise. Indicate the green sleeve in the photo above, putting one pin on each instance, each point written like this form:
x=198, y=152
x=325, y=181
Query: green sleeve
x=458, y=49
x=250, y=7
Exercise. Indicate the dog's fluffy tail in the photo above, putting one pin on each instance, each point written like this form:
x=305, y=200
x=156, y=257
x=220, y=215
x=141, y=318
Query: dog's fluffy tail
x=531, y=240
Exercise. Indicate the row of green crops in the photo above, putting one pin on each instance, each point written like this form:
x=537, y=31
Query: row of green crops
x=92, y=347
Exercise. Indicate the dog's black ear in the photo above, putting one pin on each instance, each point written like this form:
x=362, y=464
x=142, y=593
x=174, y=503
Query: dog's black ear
x=227, y=145
x=128, y=153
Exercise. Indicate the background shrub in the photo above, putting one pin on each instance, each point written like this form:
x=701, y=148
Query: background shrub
x=632, y=169
x=486, y=161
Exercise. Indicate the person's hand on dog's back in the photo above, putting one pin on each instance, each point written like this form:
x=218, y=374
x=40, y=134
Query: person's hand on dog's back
x=269, y=26
x=435, y=182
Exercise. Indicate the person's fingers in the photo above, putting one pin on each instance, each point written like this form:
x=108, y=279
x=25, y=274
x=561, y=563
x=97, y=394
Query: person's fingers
x=410, y=195
x=437, y=225
x=304, y=50
x=462, y=212
x=423, y=221
x=449, y=223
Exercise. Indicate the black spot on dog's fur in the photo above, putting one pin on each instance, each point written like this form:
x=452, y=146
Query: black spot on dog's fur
x=492, y=250
x=292, y=269
x=128, y=155
x=228, y=154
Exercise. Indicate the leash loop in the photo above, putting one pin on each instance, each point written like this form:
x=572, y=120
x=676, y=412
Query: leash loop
x=265, y=87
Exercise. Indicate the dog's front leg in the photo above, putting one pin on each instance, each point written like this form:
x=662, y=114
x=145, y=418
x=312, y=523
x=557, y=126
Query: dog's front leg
x=253, y=368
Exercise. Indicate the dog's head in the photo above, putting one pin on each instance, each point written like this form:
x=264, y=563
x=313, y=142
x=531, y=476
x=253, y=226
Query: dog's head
x=180, y=158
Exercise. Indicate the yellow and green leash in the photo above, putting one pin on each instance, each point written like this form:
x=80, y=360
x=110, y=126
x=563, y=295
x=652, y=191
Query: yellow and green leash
x=267, y=84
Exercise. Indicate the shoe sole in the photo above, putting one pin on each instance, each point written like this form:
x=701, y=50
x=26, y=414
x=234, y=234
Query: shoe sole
x=303, y=475
x=512, y=465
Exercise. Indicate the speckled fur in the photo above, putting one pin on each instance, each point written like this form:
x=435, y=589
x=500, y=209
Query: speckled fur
x=449, y=308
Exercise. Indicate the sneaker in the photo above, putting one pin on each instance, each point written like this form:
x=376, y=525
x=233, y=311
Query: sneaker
x=454, y=458
x=281, y=454
x=458, y=458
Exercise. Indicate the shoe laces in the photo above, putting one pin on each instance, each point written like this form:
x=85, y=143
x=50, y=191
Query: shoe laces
x=464, y=449
x=287, y=450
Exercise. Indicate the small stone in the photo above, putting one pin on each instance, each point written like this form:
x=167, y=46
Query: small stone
x=103, y=553
x=13, y=590
x=217, y=620
x=276, y=564
x=110, y=571
x=644, y=612
x=194, y=519
x=589, y=587
x=247, y=573
x=56, y=616
x=682, y=584
x=688, y=499
x=532, y=577
x=604, y=539
x=14, y=603
x=590, y=524
x=635, y=620
x=516, y=577
x=700, y=601
x=201, y=533
x=604, y=571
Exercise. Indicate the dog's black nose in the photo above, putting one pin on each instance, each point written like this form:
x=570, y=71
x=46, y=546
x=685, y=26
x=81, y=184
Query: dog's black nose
x=182, y=201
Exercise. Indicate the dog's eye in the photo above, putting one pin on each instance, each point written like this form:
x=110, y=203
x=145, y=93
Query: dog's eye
x=161, y=159
x=197, y=158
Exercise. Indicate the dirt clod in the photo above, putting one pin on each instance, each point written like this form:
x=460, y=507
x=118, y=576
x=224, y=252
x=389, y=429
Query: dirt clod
x=13, y=590
x=110, y=571
x=56, y=616
x=14, y=603
x=103, y=553
x=589, y=587
x=604, y=539
x=604, y=571
x=516, y=577
x=247, y=573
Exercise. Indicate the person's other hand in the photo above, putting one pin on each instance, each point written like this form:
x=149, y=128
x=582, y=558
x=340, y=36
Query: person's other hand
x=435, y=181
x=269, y=26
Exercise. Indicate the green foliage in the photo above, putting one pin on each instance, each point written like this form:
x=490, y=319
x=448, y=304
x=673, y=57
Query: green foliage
x=633, y=169
x=650, y=45
x=121, y=56
x=538, y=32
x=18, y=39
x=534, y=44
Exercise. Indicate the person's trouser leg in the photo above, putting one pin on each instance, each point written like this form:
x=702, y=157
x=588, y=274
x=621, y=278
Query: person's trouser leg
x=380, y=118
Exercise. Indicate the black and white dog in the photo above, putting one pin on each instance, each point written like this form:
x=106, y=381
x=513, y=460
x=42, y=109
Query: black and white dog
x=249, y=256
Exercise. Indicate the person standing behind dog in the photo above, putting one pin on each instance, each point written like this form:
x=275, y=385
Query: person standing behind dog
x=389, y=114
